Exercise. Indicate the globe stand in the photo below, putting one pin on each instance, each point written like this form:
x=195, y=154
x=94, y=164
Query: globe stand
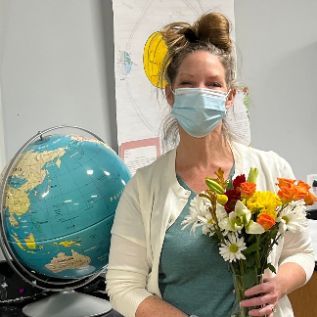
x=68, y=303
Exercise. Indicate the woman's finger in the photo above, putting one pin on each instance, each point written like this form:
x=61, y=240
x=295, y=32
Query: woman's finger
x=266, y=310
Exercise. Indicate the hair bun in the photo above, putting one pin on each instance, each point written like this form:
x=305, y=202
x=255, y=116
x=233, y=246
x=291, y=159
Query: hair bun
x=214, y=28
x=190, y=35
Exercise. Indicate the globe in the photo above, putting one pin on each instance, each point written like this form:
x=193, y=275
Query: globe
x=58, y=197
x=58, y=205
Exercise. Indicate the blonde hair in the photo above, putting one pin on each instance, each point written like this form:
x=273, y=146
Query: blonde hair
x=211, y=32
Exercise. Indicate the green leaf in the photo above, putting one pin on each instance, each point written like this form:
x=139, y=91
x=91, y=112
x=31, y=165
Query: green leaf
x=271, y=267
x=253, y=174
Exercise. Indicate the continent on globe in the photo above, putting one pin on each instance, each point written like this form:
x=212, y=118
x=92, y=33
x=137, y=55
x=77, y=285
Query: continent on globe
x=29, y=242
x=67, y=244
x=26, y=175
x=64, y=262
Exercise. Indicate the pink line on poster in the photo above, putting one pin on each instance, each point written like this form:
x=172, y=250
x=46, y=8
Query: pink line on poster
x=140, y=153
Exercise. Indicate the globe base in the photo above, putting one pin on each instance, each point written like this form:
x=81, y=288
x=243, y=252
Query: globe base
x=68, y=303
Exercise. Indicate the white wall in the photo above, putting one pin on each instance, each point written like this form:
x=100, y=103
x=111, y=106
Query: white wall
x=56, y=67
x=2, y=152
x=278, y=53
x=2, y=144
x=2, y=137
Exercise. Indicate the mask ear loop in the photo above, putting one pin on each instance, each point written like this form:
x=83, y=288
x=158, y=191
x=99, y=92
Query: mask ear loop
x=228, y=93
x=226, y=100
x=173, y=91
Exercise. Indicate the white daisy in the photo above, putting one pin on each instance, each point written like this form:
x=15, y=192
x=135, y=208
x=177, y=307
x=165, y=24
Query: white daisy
x=208, y=229
x=293, y=217
x=199, y=215
x=231, y=249
x=200, y=205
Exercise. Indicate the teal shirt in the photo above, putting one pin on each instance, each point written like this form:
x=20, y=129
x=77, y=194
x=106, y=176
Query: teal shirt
x=192, y=275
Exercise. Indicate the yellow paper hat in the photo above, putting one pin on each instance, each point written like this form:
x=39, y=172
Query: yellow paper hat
x=154, y=54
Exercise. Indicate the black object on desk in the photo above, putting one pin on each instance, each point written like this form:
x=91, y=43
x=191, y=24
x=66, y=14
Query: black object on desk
x=312, y=214
x=15, y=293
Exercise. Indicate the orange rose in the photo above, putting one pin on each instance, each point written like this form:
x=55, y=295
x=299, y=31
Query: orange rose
x=285, y=182
x=266, y=221
x=287, y=189
x=286, y=194
x=247, y=189
x=310, y=198
x=295, y=190
x=302, y=189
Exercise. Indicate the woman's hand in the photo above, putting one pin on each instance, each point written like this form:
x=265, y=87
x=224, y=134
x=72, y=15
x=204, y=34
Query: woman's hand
x=265, y=296
x=290, y=276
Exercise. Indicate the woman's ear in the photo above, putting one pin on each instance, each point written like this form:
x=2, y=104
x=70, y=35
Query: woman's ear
x=230, y=98
x=169, y=95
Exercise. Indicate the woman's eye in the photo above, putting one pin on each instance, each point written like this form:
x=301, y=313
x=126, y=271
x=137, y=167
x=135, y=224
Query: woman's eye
x=214, y=84
x=185, y=83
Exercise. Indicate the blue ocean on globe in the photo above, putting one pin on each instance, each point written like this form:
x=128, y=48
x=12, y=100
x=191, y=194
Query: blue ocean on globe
x=59, y=205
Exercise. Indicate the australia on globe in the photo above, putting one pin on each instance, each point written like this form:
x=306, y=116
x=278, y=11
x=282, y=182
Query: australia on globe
x=59, y=204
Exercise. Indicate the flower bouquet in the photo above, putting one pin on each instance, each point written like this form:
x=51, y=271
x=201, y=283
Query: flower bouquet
x=247, y=223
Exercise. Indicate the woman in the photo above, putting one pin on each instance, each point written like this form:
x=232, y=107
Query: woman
x=156, y=268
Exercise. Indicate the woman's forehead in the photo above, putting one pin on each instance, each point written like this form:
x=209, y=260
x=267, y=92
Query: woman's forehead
x=201, y=56
x=201, y=62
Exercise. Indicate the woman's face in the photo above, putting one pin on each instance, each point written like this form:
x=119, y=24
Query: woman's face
x=200, y=69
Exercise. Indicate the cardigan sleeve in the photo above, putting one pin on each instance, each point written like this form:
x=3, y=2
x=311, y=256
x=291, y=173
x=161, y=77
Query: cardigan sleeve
x=128, y=267
x=297, y=247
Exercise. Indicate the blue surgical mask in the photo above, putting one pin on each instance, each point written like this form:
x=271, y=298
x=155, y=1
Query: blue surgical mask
x=199, y=110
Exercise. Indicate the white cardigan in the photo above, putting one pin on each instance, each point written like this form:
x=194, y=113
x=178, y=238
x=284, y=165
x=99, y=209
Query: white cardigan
x=152, y=201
